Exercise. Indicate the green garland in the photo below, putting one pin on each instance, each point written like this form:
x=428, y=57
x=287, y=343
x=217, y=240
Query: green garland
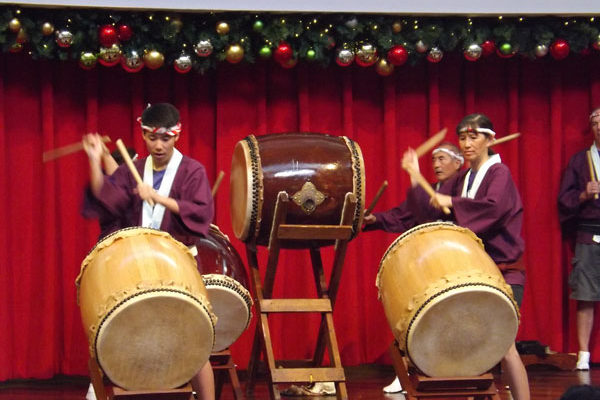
x=313, y=38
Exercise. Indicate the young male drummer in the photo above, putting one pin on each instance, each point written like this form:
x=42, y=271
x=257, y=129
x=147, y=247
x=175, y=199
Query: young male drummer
x=176, y=185
x=446, y=161
x=578, y=201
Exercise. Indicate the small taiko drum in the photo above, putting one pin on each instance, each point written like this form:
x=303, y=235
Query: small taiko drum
x=145, y=310
x=446, y=301
x=315, y=170
x=226, y=282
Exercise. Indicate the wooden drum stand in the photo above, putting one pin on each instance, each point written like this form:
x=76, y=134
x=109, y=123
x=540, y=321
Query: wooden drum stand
x=418, y=386
x=300, y=371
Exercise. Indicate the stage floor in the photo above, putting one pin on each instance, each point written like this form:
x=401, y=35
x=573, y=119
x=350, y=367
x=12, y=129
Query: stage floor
x=364, y=383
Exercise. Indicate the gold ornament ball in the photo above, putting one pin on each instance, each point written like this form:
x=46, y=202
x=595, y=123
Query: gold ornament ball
x=21, y=36
x=14, y=25
x=47, y=29
x=384, y=67
x=177, y=24
x=222, y=28
x=154, y=59
x=234, y=53
x=397, y=27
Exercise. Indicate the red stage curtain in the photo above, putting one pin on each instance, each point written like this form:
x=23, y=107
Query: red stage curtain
x=44, y=105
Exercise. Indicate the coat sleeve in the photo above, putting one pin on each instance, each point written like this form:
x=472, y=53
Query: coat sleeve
x=570, y=189
x=496, y=199
x=196, y=208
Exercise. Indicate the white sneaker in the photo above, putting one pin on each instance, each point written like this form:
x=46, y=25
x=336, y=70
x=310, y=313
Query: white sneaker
x=91, y=395
x=323, y=388
x=394, y=387
x=583, y=361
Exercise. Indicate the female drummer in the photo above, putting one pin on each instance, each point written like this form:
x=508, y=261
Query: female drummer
x=175, y=185
x=485, y=199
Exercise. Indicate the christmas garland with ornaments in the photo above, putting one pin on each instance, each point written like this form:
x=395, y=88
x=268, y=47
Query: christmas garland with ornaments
x=203, y=40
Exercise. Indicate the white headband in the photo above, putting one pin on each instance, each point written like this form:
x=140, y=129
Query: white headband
x=595, y=114
x=450, y=153
x=480, y=130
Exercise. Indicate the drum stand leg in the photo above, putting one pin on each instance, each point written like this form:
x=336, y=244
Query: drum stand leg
x=222, y=362
x=105, y=390
x=279, y=371
x=419, y=386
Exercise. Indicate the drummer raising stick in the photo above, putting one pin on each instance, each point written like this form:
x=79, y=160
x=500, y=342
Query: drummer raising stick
x=176, y=184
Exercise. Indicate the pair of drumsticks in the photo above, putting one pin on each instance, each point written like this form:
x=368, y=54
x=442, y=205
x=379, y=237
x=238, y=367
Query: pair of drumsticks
x=74, y=147
x=424, y=148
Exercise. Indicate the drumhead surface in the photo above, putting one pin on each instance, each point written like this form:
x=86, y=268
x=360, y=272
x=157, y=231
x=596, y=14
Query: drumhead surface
x=231, y=303
x=244, y=184
x=462, y=332
x=155, y=340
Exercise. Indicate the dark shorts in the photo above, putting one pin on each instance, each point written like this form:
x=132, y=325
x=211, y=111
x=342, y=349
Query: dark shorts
x=517, y=293
x=585, y=277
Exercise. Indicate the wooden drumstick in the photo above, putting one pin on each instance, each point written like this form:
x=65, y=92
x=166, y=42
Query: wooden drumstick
x=129, y=162
x=431, y=143
x=416, y=175
x=217, y=183
x=591, y=166
x=65, y=150
x=376, y=198
x=504, y=139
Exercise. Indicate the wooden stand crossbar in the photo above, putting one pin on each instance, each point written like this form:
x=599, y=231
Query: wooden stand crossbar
x=222, y=364
x=105, y=390
x=419, y=386
x=305, y=371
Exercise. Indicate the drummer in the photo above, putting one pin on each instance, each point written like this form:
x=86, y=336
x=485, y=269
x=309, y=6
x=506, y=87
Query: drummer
x=484, y=199
x=176, y=184
x=446, y=161
x=578, y=203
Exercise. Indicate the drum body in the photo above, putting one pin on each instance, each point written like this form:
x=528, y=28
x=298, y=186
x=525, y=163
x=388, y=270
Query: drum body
x=446, y=301
x=315, y=170
x=145, y=310
x=226, y=283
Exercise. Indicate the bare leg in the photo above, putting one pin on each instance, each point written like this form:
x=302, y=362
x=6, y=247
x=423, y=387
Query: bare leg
x=203, y=383
x=516, y=374
x=585, y=322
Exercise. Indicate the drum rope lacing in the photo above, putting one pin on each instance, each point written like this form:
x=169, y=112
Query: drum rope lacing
x=116, y=306
x=441, y=292
x=356, y=167
x=254, y=225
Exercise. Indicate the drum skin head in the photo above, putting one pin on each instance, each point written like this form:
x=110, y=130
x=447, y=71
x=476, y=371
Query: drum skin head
x=154, y=341
x=463, y=332
x=232, y=308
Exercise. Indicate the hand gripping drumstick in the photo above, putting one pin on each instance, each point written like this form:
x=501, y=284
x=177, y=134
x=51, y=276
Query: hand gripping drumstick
x=376, y=198
x=416, y=175
x=68, y=149
x=431, y=143
x=129, y=163
x=217, y=183
x=504, y=139
x=591, y=166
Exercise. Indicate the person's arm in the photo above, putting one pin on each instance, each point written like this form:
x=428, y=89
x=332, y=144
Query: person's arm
x=92, y=144
x=146, y=192
x=572, y=193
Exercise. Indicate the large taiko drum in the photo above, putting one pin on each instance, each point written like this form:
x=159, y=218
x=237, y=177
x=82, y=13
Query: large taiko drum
x=145, y=310
x=446, y=301
x=226, y=283
x=315, y=170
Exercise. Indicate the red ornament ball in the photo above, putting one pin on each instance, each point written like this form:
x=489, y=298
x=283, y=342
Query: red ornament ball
x=560, y=49
x=124, y=32
x=488, y=48
x=397, y=55
x=107, y=35
x=283, y=53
